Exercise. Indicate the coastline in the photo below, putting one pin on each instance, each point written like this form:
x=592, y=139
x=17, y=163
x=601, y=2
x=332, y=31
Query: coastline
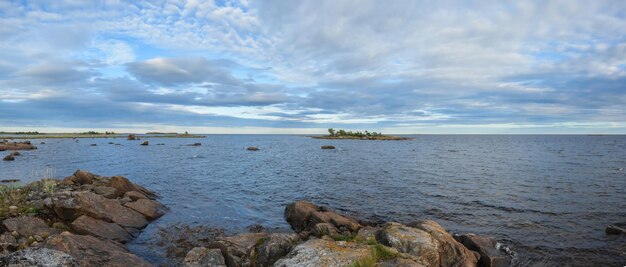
x=380, y=138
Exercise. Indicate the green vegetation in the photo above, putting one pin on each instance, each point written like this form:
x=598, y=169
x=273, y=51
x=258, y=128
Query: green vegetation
x=15, y=199
x=378, y=253
x=332, y=132
x=365, y=135
x=19, y=133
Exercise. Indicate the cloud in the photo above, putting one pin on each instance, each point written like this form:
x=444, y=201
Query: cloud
x=172, y=71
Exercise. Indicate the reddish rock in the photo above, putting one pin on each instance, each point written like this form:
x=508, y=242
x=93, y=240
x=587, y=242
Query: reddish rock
x=134, y=195
x=490, y=256
x=303, y=216
x=28, y=226
x=149, y=208
x=86, y=225
x=124, y=185
x=91, y=251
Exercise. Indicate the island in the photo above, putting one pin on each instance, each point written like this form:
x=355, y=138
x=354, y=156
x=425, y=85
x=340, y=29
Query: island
x=358, y=135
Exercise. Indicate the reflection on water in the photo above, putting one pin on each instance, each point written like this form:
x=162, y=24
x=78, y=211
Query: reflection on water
x=547, y=197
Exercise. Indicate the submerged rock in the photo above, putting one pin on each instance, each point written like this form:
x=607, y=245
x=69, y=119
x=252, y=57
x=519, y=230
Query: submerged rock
x=204, y=257
x=253, y=148
x=38, y=257
x=8, y=158
x=320, y=252
x=328, y=147
x=91, y=251
x=145, y=143
x=490, y=255
x=616, y=229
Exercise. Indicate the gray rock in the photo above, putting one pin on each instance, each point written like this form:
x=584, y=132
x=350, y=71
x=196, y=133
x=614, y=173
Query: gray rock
x=106, y=191
x=38, y=257
x=320, y=252
x=204, y=257
x=89, y=226
x=28, y=226
x=269, y=250
x=616, y=229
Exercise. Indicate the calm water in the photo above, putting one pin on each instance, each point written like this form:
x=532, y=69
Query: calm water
x=547, y=197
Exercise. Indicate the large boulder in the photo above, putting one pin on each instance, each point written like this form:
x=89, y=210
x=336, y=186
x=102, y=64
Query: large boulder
x=106, y=191
x=91, y=251
x=487, y=247
x=86, y=225
x=28, y=226
x=616, y=229
x=83, y=177
x=38, y=257
x=428, y=243
x=98, y=207
x=124, y=185
x=303, y=216
x=321, y=252
x=26, y=145
x=268, y=250
x=149, y=208
x=204, y=257
x=238, y=249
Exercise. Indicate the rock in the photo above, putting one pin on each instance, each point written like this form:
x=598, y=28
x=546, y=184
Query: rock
x=12, y=208
x=322, y=229
x=145, y=143
x=487, y=248
x=110, y=143
x=15, y=154
x=124, y=185
x=256, y=228
x=94, y=145
x=253, y=148
x=82, y=177
x=298, y=213
x=328, y=147
x=8, y=158
x=132, y=137
x=134, y=195
x=399, y=262
x=320, y=252
x=86, y=225
x=6, y=145
x=428, y=242
x=28, y=226
x=268, y=250
x=616, y=229
x=149, y=208
x=98, y=207
x=367, y=233
x=8, y=242
x=106, y=191
x=42, y=143
x=38, y=257
x=237, y=249
x=204, y=257
x=196, y=144
x=9, y=181
x=303, y=216
x=91, y=251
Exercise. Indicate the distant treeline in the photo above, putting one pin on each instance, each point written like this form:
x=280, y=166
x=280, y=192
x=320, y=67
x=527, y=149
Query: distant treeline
x=35, y=132
x=95, y=133
x=342, y=132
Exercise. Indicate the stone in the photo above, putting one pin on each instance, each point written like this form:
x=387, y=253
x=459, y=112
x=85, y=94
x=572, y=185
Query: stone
x=86, y=225
x=106, y=191
x=8, y=242
x=98, y=207
x=303, y=216
x=132, y=137
x=134, y=195
x=298, y=213
x=82, y=177
x=399, y=262
x=322, y=229
x=38, y=257
x=253, y=148
x=616, y=229
x=91, y=251
x=8, y=158
x=26, y=145
x=328, y=147
x=149, y=208
x=28, y=226
x=320, y=252
x=487, y=248
x=94, y=144
x=237, y=249
x=427, y=242
x=15, y=153
x=268, y=250
x=124, y=185
x=204, y=257
x=145, y=143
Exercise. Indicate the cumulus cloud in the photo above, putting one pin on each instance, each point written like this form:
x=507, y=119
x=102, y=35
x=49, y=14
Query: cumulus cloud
x=378, y=65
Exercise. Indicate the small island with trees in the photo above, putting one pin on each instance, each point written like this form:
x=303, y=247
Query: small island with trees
x=358, y=135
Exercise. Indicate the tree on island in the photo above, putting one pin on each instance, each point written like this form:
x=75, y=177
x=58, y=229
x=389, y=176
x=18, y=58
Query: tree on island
x=342, y=132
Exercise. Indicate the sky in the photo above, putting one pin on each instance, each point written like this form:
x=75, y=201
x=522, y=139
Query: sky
x=296, y=67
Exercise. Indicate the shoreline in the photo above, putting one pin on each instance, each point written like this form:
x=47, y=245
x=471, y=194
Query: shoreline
x=76, y=136
x=85, y=220
x=377, y=138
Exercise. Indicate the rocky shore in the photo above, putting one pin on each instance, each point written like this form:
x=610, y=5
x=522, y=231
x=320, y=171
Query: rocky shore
x=85, y=220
